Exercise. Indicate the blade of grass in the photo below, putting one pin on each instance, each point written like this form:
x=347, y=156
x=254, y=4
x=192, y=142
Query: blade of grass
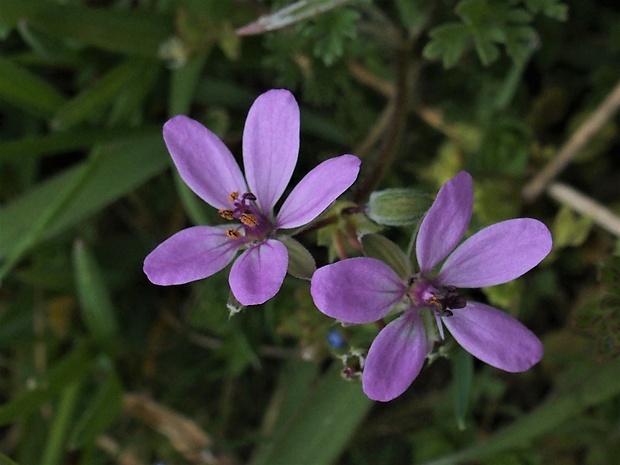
x=69, y=191
x=24, y=89
x=64, y=200
x=316, y=430
x=601, y=384
x=4, y=460
x=96, y=306
x=101, y=411
x=99, y=96
x=463, y=374
x=55, y=446
x=67, y=141
x=116, y=30
x=73, y=366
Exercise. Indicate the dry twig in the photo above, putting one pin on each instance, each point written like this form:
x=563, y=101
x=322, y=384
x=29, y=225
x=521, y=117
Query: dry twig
x=574, y=145
x=601, y=215
x=184, y=435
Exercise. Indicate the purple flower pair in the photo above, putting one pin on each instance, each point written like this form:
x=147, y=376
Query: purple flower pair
x=364, y=290
x=357, y=290
x=270, y=151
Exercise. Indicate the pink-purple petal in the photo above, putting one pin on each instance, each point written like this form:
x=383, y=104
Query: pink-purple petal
x=203, y=161
x=189, y=255
x=356, y=290
x=446, y=221
x=395, y=358
x=317, y=190
x=497, y=254
x=494, y=337
x=271, y=146
x=257, y=275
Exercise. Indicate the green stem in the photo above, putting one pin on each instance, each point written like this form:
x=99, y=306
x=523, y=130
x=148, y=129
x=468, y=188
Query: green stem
x=393, y=135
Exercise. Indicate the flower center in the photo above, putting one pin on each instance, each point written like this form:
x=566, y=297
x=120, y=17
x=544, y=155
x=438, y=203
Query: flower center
x=253, y=222
x=440, y=299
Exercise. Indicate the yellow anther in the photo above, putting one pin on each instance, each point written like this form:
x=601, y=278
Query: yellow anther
x=248, y=219
x=226, y=214
x=233, y=196
x=232, y=233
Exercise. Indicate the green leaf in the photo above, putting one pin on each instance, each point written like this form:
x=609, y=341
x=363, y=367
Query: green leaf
x=300, y=262
x=505, y=147
x=570, y=229
x=94, y=297
x=101, y=412
x=410, y=12
x=448, y=42
x=72, y=367
x=552, y=8
x=4, y=460
x=487, y=51
x=316, y=427
x=26, y=90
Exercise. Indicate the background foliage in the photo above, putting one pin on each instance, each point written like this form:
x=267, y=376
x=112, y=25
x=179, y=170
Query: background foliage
x=99, y=366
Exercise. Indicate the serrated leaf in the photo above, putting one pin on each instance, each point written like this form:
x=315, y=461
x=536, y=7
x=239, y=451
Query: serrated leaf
x=487, y=51
x=552, y=8
x=505, y=147
x=448, y=43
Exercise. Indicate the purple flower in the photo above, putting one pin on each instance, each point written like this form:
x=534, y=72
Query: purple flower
x=363, y=290
x=270, y=150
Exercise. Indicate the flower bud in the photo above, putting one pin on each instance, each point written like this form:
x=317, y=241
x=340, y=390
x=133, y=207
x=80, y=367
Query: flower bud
x=397, y=207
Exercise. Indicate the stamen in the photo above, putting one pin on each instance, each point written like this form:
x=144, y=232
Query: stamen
x=249, y=196
x=233, y=196
x=232, y=233
x=446, y=300
x=226, y=214
x=249, y=219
